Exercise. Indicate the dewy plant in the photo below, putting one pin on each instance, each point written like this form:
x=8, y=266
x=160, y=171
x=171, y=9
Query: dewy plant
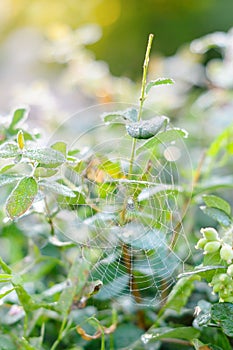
x=99, y=240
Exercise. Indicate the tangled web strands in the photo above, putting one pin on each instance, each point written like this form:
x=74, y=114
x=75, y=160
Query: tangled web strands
x=129, y=224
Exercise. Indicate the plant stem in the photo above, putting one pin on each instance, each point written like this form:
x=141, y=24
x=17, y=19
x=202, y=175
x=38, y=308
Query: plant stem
x=60, y=335
x=126, y=254
x=49, y=218
x=178, y=226
x=144, y=76
x=142, y=97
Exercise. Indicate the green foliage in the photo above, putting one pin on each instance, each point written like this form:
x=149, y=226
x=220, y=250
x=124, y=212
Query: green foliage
x=160, y=81
x=100, y=239
x=222, y=314
x=22, y=197
x=179, y=295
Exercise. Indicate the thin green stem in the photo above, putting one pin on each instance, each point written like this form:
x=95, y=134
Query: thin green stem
x=60, y=335
x=144, y=76
x=142, y=97
x=25, y=325
x=132, y=157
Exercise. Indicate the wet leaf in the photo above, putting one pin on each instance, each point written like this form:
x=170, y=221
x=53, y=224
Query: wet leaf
x=9, y=150
x=58, y=188
x=147, y=128
x=222, y=314
x=44, y=172
x=187, y=333
x=47, y=156
x=130, y=114
x=22, y=197
x=8, y=179
x=220, y=216
x=163, y=138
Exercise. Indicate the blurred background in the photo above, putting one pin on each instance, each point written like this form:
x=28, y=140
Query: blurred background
x=62, y=56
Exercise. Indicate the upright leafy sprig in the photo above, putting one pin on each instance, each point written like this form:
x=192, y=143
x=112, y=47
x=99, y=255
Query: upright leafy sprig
x=136, y=128
x=35, y=170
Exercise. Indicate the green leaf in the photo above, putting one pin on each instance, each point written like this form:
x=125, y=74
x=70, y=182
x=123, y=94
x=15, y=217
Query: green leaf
x=6, y=343
x=9, y=150
x=77, y=279
x=222, y=142
x=187, y=333
x=24, y=298
x=58, y=188
x=60, y=147
x=222, y=314
x=4, y=277
x=47, y=156
x=5, y=267
x=25, y=345
x=2, y=295
x=20, y=114
x=207, y=271
x=180, y=293
x=213, y=259
x=130, y=114
x=159, y=81
x=124, y=335
x=44, y=172
x=217, y=202
x=8, y=179
x=147, y=128
x=220, y=216
x=112, y=169
x=22, y=197
x=163, y=138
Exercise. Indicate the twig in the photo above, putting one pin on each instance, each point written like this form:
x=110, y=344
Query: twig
x=142, y=97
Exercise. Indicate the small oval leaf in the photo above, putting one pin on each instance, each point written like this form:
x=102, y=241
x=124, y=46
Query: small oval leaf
x=20, y=115
x=130, y=114
x=160, y=81
x=9, y=150
x=45, y=156
x=217, y=202
x=22, y=197
x=220, y=216
x=60, y=147
x=223, y=314
x=163, y=137
x=58, y=188
x=7, y=179
x=147, y=128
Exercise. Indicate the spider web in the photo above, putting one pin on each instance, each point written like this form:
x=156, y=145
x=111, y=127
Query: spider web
x=132, y=227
